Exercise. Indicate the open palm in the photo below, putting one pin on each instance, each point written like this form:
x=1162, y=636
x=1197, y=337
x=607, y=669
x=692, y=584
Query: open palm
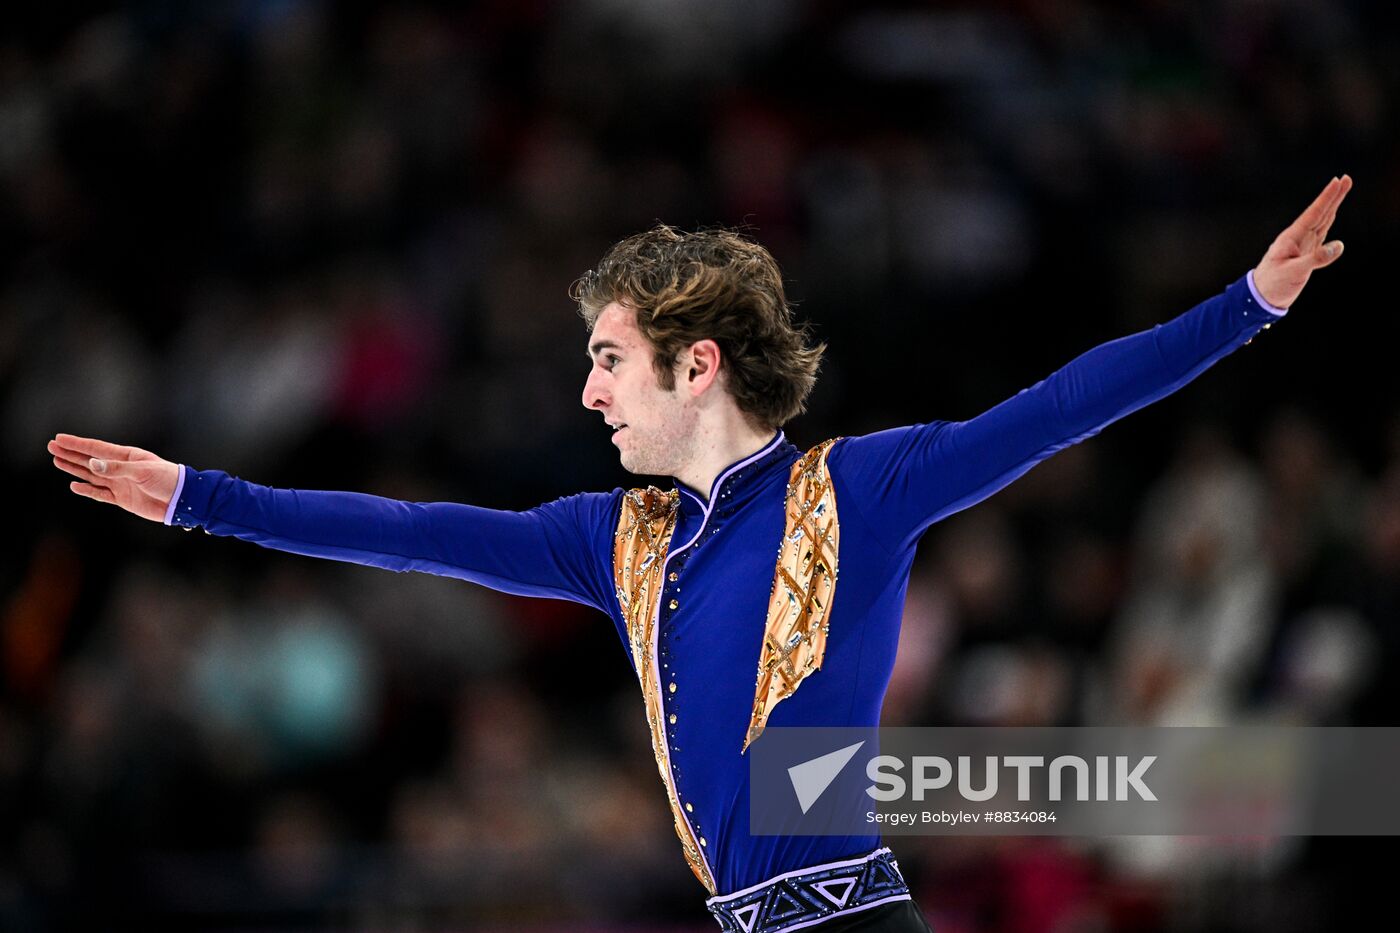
x=134, y=479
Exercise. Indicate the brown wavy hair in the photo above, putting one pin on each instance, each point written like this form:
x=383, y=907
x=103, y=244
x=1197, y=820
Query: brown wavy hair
x=711, y=284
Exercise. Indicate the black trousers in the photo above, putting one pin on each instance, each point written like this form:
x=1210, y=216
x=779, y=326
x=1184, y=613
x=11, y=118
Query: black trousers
x=898, y=917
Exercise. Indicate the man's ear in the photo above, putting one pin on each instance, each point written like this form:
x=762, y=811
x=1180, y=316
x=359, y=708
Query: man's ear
x=701, y=365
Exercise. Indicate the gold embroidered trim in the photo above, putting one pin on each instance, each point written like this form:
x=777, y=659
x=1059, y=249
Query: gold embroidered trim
x=639, y=550
x=794, y=642
x=639, y=554
x=804, y=583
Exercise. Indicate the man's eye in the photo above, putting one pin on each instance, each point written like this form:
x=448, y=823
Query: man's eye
x=612, y=360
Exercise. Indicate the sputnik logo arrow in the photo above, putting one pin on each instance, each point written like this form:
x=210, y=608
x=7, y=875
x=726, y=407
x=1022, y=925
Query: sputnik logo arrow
x=811, y=778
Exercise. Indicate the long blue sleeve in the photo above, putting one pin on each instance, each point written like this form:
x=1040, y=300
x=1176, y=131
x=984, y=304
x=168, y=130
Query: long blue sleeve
x=905, y=479
x=561, y=549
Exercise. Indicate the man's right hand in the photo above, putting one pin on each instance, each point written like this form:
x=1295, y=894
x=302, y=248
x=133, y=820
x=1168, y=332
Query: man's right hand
x=135, y=479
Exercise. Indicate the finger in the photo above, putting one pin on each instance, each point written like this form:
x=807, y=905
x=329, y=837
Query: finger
x=81, y=472
x=92, y=447
x=1317, y=210
x=94, y=492
x=1325, y=229
x=1336, y=203
x=1343, y=186
x=68, y=454
x=1309, y=229
x=115, y=469
x=1328, y=254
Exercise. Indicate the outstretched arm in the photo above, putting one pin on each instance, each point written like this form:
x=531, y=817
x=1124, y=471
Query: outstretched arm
x=555, y=550
x=905, y=479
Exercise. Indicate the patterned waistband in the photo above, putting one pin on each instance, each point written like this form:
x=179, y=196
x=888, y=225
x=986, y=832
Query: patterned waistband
x=807, y=896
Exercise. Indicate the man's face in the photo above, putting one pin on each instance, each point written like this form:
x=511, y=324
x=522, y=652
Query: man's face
x=653, y=427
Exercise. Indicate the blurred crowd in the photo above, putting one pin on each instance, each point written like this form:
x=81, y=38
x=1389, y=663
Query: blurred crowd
x=328, y=246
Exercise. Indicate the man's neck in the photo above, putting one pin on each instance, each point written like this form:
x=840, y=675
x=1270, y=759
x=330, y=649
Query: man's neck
x=715, y=450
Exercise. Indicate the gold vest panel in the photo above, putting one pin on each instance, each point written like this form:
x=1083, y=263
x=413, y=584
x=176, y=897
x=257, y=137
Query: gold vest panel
x=804, y=583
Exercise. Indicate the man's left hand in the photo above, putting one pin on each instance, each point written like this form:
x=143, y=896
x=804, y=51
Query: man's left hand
x=1302, y=248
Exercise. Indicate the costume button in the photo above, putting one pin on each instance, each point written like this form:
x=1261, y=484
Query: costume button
x=672, y=688
x=703, y=842
x=689, y=808
x=673, y=719
x=673, y=604
x=673, y=577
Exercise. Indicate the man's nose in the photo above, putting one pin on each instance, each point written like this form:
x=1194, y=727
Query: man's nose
x=593, y=394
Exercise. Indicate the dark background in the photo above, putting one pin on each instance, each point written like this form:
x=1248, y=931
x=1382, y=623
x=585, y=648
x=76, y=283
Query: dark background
x=328, y=246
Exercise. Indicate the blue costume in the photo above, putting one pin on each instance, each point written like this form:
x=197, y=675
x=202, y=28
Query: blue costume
x=719, y=571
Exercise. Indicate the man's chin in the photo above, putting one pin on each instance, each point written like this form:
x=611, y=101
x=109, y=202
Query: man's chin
x=642, y=466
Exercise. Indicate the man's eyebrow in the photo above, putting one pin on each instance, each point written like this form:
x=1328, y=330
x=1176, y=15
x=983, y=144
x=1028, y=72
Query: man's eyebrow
x=600, y=345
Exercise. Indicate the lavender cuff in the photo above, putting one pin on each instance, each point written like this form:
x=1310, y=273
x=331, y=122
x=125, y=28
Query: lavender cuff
x=174, y=499
x=1259, y=299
